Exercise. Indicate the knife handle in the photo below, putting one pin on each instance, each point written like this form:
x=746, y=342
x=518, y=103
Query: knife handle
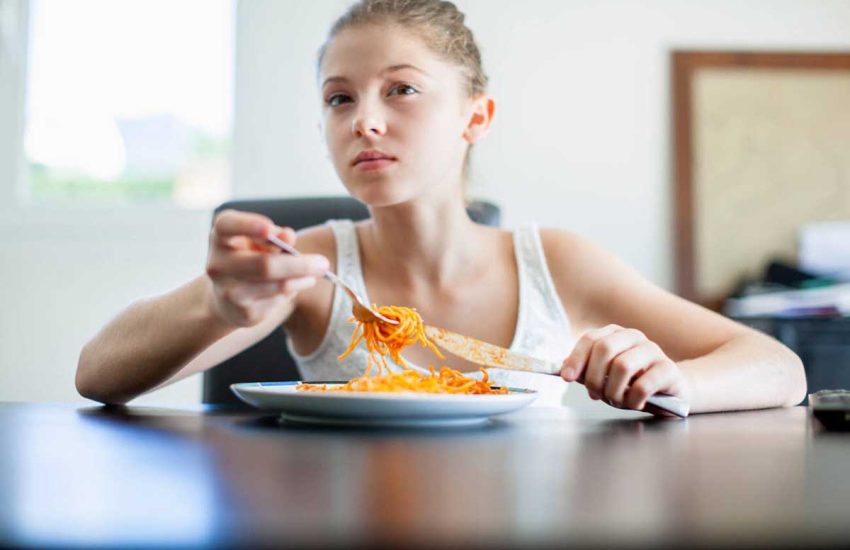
x=664, y=402
x=669, y=403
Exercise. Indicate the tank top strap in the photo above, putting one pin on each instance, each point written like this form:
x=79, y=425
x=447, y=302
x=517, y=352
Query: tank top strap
x=348, y=254
x=542, y=324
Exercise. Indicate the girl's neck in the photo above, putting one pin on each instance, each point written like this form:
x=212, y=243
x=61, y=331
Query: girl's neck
x=422, y=245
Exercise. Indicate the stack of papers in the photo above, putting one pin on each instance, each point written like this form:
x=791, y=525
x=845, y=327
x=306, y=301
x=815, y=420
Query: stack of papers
x=824, y=249
x=826, y=301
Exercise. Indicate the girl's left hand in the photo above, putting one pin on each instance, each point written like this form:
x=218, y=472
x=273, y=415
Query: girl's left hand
x=623, y=367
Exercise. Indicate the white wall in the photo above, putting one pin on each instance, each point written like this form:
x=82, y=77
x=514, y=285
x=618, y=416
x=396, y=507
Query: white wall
x=581, y=141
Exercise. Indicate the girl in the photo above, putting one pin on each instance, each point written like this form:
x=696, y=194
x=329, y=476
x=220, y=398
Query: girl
x=404, y=98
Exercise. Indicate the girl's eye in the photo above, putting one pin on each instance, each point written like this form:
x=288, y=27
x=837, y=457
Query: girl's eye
x=338, y=99
x=403, y=89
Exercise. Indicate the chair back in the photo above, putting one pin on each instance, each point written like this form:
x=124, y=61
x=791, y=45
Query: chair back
x=269, y=359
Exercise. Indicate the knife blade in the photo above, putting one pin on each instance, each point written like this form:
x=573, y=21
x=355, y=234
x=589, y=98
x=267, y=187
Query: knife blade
x=486, y=354
x=491, y=355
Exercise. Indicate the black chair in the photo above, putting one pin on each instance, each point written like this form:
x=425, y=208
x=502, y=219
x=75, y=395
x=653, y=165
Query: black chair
x=269, y=359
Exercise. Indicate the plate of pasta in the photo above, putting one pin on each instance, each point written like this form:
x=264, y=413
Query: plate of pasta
x=384, y=397
x=338, y=407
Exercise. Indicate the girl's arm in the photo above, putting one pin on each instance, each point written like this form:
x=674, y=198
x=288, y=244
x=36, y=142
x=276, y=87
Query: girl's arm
x=160, y=340
x=247, y=291
x=653, y=341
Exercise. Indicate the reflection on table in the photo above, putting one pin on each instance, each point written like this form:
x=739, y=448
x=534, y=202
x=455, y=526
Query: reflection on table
x=83, y=476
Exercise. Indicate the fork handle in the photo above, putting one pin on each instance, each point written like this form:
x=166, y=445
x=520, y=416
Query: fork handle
x=283, y=245
x=294, y=251
x=329, y=275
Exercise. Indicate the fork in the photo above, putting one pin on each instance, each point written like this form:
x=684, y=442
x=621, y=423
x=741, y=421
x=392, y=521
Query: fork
x=361, y=311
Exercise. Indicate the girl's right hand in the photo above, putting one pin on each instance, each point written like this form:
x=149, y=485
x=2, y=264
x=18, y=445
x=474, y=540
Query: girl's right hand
x=249, y=277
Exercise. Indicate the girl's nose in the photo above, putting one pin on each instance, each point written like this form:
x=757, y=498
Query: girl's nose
x=368, y=124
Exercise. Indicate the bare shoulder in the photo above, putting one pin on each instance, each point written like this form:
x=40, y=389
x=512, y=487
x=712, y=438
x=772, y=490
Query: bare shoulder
x=586, y=276
x=597, y=289
x=576, y=257
x=559, y=244
x=317, y=239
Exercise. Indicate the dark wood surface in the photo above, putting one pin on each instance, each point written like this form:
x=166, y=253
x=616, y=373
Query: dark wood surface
x=91, y=476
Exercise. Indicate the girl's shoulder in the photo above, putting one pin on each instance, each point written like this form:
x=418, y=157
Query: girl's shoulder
x=584, y=273
x=570, y=251
x=317, y=239
x=563, y=247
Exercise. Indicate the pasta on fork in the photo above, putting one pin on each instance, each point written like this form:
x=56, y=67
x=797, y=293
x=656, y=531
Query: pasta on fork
x=384, y=339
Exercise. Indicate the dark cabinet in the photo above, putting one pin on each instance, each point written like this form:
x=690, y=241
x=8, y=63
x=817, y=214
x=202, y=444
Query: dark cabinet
x=822, y=343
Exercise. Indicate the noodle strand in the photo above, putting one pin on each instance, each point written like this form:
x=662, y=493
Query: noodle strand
x=384, y=339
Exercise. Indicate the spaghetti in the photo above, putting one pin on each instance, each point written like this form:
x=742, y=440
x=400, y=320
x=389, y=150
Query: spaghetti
x=445, y=381
x=384, y=339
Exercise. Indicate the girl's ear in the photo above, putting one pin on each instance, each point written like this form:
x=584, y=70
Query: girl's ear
x=483, y=108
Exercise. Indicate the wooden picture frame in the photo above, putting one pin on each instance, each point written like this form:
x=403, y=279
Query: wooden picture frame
x=776, y=76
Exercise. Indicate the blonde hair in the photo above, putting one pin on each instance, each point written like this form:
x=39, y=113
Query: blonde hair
x=438, y=23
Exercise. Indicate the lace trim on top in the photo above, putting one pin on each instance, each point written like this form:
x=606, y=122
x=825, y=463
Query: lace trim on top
x=539, y=298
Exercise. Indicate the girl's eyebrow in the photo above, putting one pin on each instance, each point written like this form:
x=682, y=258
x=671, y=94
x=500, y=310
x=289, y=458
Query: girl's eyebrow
x=390, y=69
x=395, y=68
x=333, y=79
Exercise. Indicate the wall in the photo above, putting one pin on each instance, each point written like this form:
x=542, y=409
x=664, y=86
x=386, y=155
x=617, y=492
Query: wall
x=581, y=141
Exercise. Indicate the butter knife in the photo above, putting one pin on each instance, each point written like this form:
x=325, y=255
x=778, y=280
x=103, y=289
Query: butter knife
x=491, y=355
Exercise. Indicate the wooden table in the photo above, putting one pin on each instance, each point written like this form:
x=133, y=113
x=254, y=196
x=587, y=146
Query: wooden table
x=89, y=476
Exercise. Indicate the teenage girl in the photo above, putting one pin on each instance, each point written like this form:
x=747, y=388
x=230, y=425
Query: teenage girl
x=404, y=98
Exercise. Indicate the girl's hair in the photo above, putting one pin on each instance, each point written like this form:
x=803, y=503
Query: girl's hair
x=438, y=23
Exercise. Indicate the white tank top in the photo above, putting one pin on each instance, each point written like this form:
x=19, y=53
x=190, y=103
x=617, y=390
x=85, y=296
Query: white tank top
x=542, y=328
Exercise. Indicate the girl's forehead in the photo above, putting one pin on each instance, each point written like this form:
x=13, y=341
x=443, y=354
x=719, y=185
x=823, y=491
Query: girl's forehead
x=370, y=49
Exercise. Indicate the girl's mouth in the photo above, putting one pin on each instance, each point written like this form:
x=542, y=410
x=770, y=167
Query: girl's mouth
x=373, y=165
x=370, y=161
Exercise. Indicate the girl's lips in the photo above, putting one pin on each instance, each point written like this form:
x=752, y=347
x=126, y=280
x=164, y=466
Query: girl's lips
x=373, y=165
x=371, y=154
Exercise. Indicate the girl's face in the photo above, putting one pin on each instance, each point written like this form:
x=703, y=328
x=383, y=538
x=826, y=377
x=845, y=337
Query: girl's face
x=395, y=115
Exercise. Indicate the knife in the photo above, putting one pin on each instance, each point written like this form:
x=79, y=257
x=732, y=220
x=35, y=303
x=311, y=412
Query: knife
x=491, y=355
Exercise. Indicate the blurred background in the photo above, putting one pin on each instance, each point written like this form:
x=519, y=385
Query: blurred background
x=124, y=123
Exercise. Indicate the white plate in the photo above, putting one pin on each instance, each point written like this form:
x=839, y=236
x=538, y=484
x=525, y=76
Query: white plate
x=379, y=409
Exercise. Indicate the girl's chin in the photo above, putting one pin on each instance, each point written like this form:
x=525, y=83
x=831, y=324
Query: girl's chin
x=381, y=200
x=380, y=194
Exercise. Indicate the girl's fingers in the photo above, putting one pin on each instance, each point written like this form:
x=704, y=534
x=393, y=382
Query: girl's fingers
x=286, y=234
x=261, y=267
x=626, y=366
x=657, y=378
x=233, y=230
x=231, y=223
x=243, y=295
x=297, y=284
x=603, y=353
x=575, y=364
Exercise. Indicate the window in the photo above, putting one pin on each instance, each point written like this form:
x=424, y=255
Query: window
x=129, y=101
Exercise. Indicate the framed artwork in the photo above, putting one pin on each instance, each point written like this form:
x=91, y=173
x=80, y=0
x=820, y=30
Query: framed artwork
x=761, y=146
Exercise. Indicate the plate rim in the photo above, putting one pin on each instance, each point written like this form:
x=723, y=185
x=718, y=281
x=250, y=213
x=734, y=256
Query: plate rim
x=380, y=408
x=513, y=392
